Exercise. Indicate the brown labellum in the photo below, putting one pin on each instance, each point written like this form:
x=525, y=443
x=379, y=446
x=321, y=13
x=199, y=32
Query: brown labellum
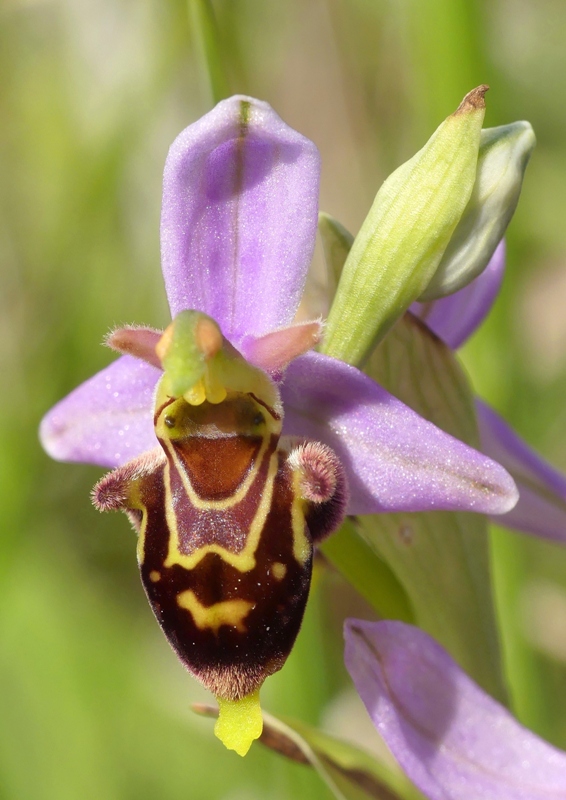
x=227, y=516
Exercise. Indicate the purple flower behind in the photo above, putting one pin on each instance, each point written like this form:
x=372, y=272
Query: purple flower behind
x=452, y=740
x=456, y=317
x=541, y=509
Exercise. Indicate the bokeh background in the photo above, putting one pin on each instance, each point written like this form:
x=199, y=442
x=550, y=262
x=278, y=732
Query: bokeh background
x=92, y=702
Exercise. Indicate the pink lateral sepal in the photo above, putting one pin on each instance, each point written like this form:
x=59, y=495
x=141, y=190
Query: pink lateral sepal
x=274, y=351
x=133, y=340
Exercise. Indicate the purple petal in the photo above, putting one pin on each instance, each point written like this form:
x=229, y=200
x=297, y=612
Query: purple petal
x=450, y=737
x=108, y=419
x=239, y=217
x=541, y=509
x=394, y=459
x=454, y=318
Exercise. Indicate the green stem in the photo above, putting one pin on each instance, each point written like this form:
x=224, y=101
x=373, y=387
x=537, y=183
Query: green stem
x=509, y=568
x=207, y=45
x=367, y=573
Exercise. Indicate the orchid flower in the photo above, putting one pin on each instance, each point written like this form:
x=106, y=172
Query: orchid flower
x=234, y=449
x=541, y=509
x=450, y=737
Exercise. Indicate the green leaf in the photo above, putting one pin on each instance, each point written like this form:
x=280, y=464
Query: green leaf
x=367, y=573
x=441, y=558
x=503, y=158
x=349, y=773
x=400, y=244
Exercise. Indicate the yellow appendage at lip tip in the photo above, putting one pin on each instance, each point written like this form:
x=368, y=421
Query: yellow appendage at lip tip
x=239, y=722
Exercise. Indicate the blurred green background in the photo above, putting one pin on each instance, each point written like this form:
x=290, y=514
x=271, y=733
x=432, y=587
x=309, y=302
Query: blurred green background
x=92, y=702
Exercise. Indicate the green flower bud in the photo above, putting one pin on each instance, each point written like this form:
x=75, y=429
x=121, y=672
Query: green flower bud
x=403, y=238
x=503, y=158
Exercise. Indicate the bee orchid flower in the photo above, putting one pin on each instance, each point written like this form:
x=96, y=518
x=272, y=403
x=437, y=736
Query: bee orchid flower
x=235, y=447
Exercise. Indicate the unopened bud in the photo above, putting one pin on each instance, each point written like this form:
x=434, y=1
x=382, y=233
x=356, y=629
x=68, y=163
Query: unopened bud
x=503, y=158
x=403, y=238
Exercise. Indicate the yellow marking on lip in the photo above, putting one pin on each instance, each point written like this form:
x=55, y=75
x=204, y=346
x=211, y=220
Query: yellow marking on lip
x=228, y=612
x=154, y=576
x=301, y=545
x=278, y=570
x=141, y=537
x=244, y=561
